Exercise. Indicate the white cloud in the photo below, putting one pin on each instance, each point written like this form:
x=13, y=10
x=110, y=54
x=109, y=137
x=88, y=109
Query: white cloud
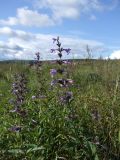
x=58, y=10
x=115, y=55
x=23, y=45
x=7, y=31
x=68, y=8
x=73, y=8
x=27, y=17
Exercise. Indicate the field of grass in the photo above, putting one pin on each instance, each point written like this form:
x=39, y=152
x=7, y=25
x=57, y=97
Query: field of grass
x=85, y=128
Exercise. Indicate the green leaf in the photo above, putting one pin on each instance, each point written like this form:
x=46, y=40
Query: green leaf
x=16, y=151
x=35, y=149
x=92, y=147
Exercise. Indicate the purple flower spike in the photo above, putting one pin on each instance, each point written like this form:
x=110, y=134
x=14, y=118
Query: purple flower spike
x=67, y=50
x=53, y=72
x=38, y=56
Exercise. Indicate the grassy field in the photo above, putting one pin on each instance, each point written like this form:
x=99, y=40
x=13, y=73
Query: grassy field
x=85, y=126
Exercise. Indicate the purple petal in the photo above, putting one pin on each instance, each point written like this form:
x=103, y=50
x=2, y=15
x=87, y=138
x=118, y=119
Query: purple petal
x=67, y=50
x=53, y=50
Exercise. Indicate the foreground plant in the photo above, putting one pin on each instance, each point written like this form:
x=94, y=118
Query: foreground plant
x=19, y=90
x=65, y=96
x=41, y=91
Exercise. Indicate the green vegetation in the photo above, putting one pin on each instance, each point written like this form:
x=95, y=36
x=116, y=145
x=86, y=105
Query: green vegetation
x=86, y=128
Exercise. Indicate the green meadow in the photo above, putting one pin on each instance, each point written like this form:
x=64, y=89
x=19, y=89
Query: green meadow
x=86, y=128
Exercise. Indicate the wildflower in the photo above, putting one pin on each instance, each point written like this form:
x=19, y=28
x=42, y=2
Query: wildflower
x=67, y=50
x=19, y=90
x=63, y=82
x=38, y=56
x=53, y=72
x=53, y=50
x=15, y=129
x=38, y=63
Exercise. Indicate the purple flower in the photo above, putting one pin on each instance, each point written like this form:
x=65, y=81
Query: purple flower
x=15, y=129
x=53, y=50
x=53, y=72
x=38, y=56
x=67, y=50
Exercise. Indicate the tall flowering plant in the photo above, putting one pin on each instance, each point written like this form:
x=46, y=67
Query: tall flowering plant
x=63, y=82
x=39, y=76
x=19, y=91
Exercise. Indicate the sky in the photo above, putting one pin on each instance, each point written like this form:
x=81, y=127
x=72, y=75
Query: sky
x=28, y=26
